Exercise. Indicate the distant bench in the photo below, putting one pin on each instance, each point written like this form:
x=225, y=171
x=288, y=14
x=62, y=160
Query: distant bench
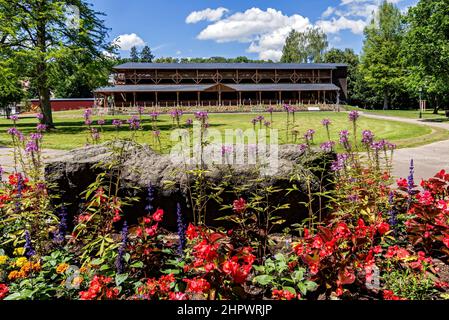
x=313, y=109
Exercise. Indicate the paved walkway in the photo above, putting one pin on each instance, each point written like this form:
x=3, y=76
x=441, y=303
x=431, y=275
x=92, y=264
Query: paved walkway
x=428, y=159
x=7, y=158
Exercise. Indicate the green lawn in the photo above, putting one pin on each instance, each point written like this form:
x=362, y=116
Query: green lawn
x=70, y=131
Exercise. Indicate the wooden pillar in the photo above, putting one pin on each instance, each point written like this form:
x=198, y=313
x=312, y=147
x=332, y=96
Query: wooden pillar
x=156, y=97
x=219, y=98
x=324, y=97
x=260, y=97
x=177, y=98
x=240, y=98
x=299, y=97
x=134, y=99
x=280, y=97
x=198, y=97
x=105, y=101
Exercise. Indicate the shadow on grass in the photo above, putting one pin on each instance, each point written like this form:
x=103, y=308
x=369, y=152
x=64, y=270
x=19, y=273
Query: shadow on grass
x=436, y=120
x=78, y=127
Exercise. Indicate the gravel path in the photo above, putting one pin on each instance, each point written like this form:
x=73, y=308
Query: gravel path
x=428, y=159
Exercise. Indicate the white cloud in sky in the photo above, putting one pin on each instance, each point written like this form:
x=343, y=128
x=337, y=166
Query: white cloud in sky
x=266, y=30
x=127, y=41
x=207, y=14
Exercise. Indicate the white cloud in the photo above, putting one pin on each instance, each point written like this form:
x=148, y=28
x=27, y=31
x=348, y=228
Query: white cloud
x=127, y=41
x=266, y=30
x=342, y=23
x=207, y=14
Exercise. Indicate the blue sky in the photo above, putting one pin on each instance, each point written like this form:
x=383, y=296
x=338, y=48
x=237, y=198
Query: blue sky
x=257, y=29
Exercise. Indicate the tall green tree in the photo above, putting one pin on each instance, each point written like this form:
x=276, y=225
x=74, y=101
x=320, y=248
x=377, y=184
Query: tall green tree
x=426, y=48
x=290, y=52
x=10, y=86
x=381, y=62
x=39, y=33
x=305, y=47
x=134, y=55
x=146, y=55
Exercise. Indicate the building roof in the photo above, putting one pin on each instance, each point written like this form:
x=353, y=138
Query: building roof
x=66, y=99
x=236, y=87
x=215, y=66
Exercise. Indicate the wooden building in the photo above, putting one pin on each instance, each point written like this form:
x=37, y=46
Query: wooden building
x=178, y=84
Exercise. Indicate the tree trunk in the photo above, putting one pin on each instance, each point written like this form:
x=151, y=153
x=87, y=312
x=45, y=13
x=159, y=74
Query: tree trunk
x=436, y=106
x=386, y=100
x=42, y=77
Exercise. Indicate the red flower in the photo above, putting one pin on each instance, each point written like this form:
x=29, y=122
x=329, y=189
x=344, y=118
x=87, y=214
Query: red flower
x=205, y=251
x=383, y=228
x=191, y=232
x=283, y=295
x=389, y=295
x=402, y=183
x=158, y=215
x=239, y=205
x=236, y=271
x=197, y=285
x=177, y=296
x=151, y=231
x=4, y=290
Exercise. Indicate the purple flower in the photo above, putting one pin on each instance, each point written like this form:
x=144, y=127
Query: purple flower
x=134, y=123
x=354, y=115
x=378, y=145
x=176, y=113
x=340, y=163
x=327, y=146
x=36, y=136
x=14, y=118
x=410, y=178
x=88, y=122
x=367, y=137
x=62, y=227
x=40, y=116
x=117, y=123
x=181, y=230
x=226, y=150
x=254, y=121
x=303, y=147
x=270, y=109
x=122, y=249
x=150, y=198
x=353, y=198
x=326, y=122
x=101, y=122
x=260, y=118
x=267, y=124
x=154, y=115
x=87, y=114
x=201, y=115
x=344, y=139
x=95, y=134
x=156, y=133
x=189, y=122
x=31, y=146
x=393, y=220
x=41, y=127
x=29, y=251
x=309, y=135
x=13, y=131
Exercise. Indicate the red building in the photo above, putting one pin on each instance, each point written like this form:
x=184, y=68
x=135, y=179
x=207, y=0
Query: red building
x=66, y=104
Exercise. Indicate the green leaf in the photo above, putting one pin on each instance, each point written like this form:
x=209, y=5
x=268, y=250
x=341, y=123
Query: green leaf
x=263, y=279
x=138, y=264
x=14, y=296
x=120, y=278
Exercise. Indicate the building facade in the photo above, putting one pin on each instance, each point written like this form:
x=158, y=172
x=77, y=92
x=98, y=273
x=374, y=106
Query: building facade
x=217, y=84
